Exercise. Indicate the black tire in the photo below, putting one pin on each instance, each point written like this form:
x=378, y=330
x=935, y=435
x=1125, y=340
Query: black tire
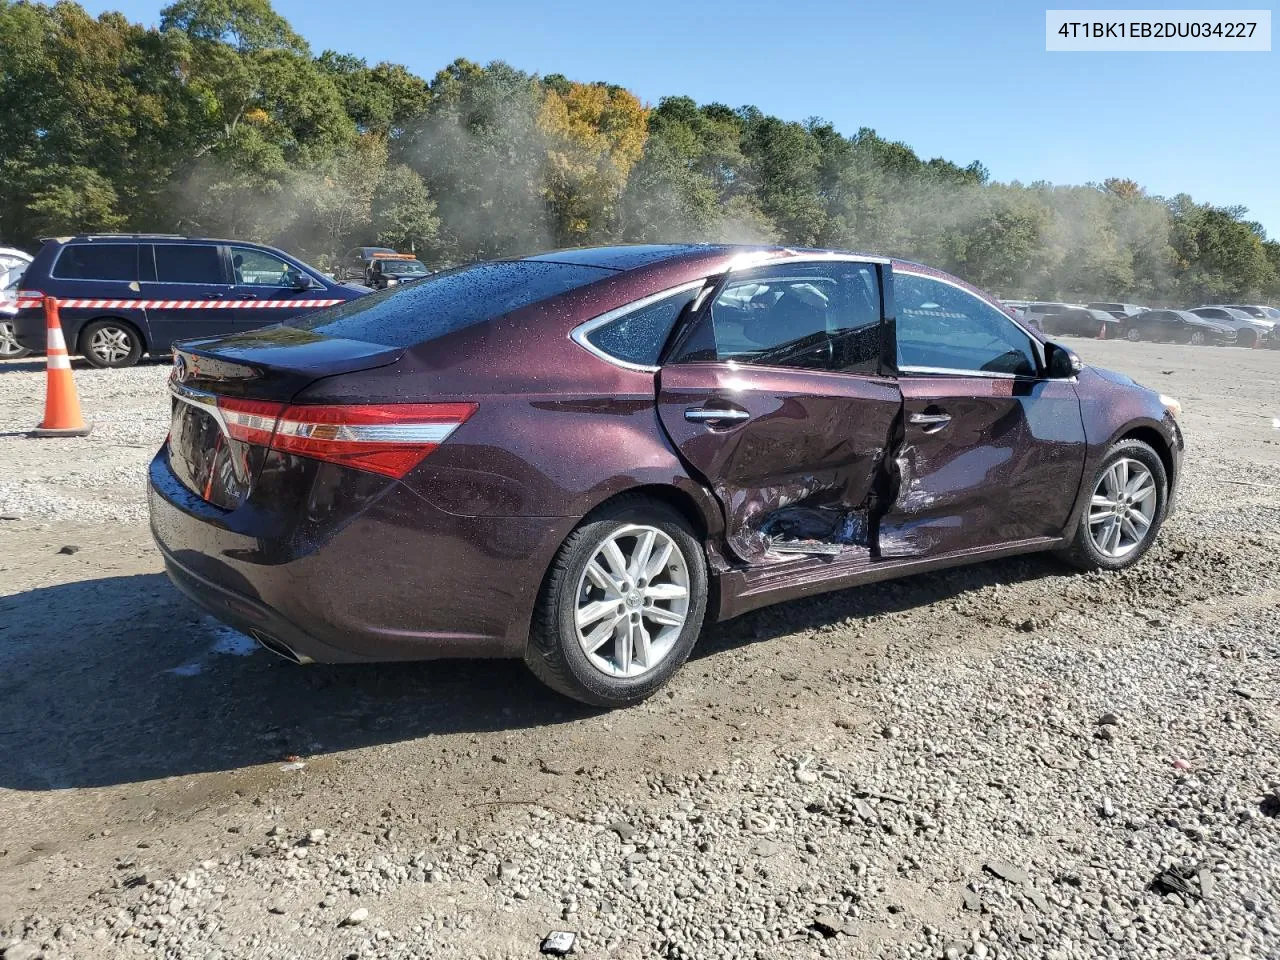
x=1133, y=334
x=1197, y=338
x=1082, y=552
x=9, y=346
x=128, y=335
x=554, y=654
x=1246, y=338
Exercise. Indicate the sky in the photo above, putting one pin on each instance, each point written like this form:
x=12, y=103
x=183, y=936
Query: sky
x=961, y=81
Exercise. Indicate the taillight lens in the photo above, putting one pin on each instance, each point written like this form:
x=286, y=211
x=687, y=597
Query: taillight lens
x=390, y=439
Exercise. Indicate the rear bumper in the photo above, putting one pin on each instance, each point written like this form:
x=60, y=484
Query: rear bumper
x=398, y=580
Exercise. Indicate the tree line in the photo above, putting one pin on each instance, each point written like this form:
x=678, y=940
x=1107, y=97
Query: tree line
x=224, y=122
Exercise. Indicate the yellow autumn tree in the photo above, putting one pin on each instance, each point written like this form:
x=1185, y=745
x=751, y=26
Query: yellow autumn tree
x=595, y=134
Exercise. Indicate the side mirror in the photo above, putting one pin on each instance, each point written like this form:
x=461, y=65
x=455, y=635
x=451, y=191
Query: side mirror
x=1061, y=363
x=301, y=281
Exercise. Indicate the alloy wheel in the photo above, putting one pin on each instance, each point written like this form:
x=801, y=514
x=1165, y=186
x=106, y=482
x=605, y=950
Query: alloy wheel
x=1123, y=508
x=1197, y=338
x=633, y=600
x=9, y=346
x=1133, y=335
x=111, y=344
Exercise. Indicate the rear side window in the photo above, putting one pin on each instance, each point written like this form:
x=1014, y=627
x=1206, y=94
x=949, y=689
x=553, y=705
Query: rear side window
x=639, y=335
x=188, y=263
x=98, y=261
x=810, y=316
x=447, y=302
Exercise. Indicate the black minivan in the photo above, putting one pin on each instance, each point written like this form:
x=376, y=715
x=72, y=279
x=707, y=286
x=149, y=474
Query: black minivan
x=129, y=294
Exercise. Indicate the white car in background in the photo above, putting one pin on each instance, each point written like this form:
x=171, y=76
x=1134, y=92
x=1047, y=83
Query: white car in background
x=13, y=264
x=1249, y=329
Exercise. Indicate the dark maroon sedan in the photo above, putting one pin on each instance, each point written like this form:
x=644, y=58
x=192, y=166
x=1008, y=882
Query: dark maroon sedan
x=578, y=458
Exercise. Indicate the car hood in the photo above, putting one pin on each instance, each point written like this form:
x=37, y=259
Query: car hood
x=1213, y=325
x=357, y=287
x=1117, y=378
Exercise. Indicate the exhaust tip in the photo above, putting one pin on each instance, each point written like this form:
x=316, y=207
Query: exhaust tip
x=278, y=647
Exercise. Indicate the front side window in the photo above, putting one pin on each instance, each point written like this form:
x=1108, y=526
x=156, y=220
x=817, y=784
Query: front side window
x=941, y=327
x=98, y=261
x=639, y=335
x=811, y=316
x=188, y=263
x=254, y=268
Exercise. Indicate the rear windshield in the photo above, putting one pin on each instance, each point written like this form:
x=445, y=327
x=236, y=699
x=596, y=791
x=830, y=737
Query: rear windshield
x=445, y=302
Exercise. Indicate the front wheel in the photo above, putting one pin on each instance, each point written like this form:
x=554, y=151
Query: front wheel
x=1198, y=339
x=622, y=605
x=1120, y=520
x=110, y=343
x=1247, y=338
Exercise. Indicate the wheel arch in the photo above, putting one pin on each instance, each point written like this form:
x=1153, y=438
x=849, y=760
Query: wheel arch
x=1157, y=441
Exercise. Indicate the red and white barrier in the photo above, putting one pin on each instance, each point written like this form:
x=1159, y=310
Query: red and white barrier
x=30, y=299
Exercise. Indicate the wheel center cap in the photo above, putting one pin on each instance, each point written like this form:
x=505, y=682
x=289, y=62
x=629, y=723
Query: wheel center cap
x=633, y=599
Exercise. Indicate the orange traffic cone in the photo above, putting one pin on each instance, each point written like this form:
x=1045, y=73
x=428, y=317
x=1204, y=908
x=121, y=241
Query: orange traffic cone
x=61, y=405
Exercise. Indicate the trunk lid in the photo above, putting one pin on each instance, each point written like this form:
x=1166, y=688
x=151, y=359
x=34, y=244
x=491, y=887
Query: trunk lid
x=228, y=389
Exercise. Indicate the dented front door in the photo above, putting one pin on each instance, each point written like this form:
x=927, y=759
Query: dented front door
x=992, y=450
x=983, y=461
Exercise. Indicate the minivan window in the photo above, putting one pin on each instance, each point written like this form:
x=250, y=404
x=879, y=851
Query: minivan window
x=188, y=263
x=255, y=268
x=639, y=336
x=943, y=327
x=446, y=302
x=97, y=261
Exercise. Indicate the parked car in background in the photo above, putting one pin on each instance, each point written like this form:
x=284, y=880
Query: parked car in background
x=1178, y=326
x=579, y=458
x=131, y=294
x=1249, y=330
x=1118, y=310
x=1256, y=310
x=1083, y=322
x=389, y=271
x=13, y=263
x=355, y=262
x=1036, y=311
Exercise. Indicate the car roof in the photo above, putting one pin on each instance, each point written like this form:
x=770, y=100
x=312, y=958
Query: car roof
x=150, y=237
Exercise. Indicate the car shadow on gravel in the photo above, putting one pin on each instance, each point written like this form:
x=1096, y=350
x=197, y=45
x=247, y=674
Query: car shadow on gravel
x=119, y=680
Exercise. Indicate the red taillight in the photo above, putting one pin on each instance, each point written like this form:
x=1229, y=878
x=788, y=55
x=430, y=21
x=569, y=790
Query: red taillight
x=390, y=439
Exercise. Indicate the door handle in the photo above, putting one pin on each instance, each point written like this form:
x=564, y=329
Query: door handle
x=932, y=422
x=714, y=414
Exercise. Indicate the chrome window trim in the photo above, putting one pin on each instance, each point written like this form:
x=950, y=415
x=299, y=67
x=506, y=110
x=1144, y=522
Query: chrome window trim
x=987, y=374
x=579, y=333
x=770, y=258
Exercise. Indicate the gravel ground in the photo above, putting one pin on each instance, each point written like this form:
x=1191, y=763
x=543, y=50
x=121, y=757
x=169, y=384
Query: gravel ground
x=1009, y=760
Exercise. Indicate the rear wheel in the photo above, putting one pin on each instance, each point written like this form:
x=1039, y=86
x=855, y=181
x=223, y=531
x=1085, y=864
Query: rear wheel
x=622, y=605
x=1120, y=521
x=110, y=343
x=1133, y=334
x=10, y=349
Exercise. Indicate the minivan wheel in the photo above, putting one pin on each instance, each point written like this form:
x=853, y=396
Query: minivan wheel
x=10, y=348
x=1120, y=520
x=621, y=606
x=110, y=343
